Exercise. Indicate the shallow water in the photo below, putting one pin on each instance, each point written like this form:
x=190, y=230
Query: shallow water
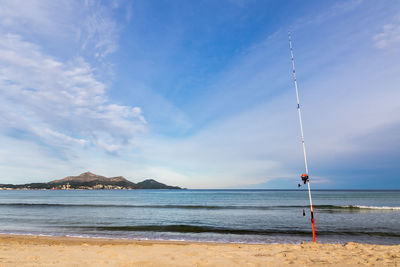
x=250, y=216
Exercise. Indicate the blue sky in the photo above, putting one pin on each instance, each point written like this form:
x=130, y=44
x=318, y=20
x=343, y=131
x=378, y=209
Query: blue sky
x=200, y=93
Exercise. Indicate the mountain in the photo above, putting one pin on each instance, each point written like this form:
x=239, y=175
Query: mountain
x=153, y=184
x=91, y=179
x=88, y=180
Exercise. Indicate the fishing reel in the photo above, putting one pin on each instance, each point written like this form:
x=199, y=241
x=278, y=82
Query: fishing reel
x=304, y=178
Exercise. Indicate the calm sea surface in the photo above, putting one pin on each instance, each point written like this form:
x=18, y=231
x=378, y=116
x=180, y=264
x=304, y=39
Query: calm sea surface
x=251, y=216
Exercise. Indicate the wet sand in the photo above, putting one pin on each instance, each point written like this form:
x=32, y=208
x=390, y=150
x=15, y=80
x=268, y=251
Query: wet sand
x=66, y=251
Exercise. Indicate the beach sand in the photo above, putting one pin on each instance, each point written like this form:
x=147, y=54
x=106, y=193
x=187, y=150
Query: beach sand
x=67, y=251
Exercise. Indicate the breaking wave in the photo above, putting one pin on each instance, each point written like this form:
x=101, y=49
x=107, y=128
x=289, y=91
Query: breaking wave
x=183, y=228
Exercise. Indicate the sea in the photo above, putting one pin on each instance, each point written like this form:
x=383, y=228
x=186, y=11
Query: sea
x=238, y=216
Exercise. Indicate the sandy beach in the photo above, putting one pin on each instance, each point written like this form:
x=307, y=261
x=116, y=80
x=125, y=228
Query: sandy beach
x=66, y=251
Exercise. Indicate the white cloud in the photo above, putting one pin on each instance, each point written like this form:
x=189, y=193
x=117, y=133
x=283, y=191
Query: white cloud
x=98, y=33
x=37, y=17
x=56, y=114
x=70, y=25
x=389, y=37
x=49, y=134
x=60, y=102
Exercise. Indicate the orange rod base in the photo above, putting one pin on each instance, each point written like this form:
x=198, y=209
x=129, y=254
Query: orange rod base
x=313, y=230
x=312, y=223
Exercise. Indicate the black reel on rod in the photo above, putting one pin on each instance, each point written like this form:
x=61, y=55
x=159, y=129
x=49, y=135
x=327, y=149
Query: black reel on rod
x=304, y=178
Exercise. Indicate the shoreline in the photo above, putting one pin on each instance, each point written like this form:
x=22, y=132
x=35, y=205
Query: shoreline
x=31, y=250
x=320, y=240
x=130, y=240
x=106, y=240
x=98, y=240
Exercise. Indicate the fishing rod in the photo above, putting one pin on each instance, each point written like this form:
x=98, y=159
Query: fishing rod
x=304, y=176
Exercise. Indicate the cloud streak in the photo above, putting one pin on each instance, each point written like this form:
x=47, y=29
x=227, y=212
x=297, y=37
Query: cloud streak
x=390, y=35
x=61, y=103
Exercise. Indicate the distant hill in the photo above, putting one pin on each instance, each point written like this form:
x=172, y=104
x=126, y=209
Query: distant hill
x=91, y=179
x=153, y=184
x=88, y=180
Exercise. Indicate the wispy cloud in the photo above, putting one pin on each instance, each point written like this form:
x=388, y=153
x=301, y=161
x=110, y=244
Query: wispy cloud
x=88, y=26
x=60, y=101
x=99, y=31
x=390, y=35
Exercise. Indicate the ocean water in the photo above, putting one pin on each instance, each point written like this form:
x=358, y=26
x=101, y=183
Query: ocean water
x=249, y=216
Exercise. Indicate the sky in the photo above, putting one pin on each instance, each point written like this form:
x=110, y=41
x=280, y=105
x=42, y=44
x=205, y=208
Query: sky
x=200, y=93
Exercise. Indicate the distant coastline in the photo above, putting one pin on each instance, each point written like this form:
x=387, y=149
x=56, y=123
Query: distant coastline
x=90, y=181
